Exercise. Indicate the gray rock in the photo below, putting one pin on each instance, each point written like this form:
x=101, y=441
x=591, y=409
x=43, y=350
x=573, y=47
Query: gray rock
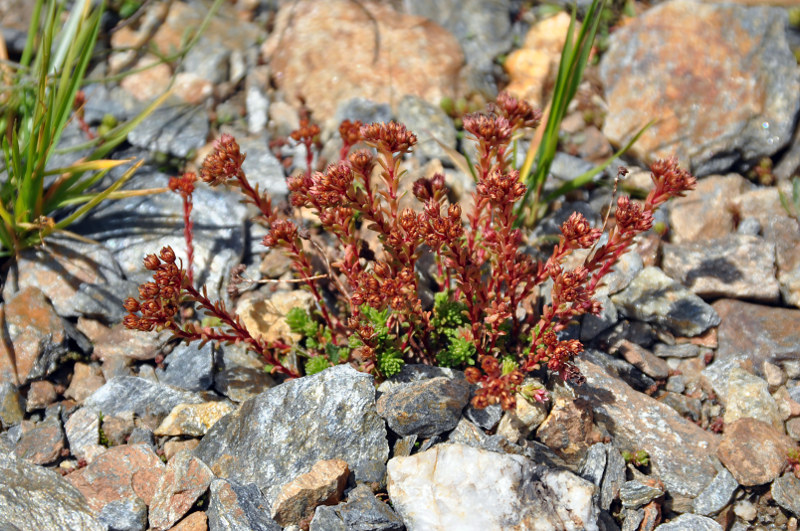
x=716, y=495
x=736, y=266
x=635, y=494
x=257, y=99
x=631, y=519
x=487, y=418
x=129, y=394
x=424, y=408
x=690, y=522
x=42, y=443
x=104, y=301
x=262, y=167
x=363, y=109
x=604, y=466
x=134, y=227
x=325, y=416
x=619, y=368
x=174, y=128
x=189, y=367
x=786, y=493
x=681, y=453
x=753, y=117
x=83, y=433
x=654, y=297
x=34, y=498
x=430, y=123
x=748, y=397
x=360, y=512
x=592, y=325
x=127, y=514
x=233, y=506
x=144, y=435
x=115, y=101
x=682, y=350
x=208, y=60
x=482, y=28
x=749, y=226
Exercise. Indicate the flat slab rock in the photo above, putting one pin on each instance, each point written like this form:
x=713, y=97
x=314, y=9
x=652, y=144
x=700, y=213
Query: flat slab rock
x=731, y=61
x=281, y=433
x=34, y=498
x=681, y=453
x=454, y=486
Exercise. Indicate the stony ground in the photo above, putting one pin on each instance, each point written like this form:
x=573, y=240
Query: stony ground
x=694, y=363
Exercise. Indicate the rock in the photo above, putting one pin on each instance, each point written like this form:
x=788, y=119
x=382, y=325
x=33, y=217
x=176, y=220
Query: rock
x=104, y=301
x=786, y=493
x=128, y=514
x=193, y=420
x=681, y=350
x=233, y=506
x=482, y=28
x=642, y=359
x=42, y=443
x=197, y=521
x=262, y=167
x=35, y=498
x=652, y=70
x=686, y=407
x=123, y=472
x=487, y=418
x=569, y=429
x=635, y=494
x=325, y=416
x=185, y=479
x=746, y=510
x=680, y=452
x=592, y=325
x=327, y=52
x=435, y=490
x=430, y=123
x=362, y=510
x=690, y=522
x=520, y=422
x=137, y=226
x=736, y=266
x=189, y=367
x=83, y=434
x=124, y=343
x=242, y=383
x=532, y=66
x=40, y=395
x=61, y=270
x=149, y=79
x=654, y=297
x=751, y=333
x=175, y=128
x=748, y=397
x=35, y=337
x=424, y=408
x=143, y=398
x=620, y=369
x=753, y=451
x=86, y=379
x=604, y=466
x=322, y=485
x=793, y=428
x=764, y=205
x=12, y=405
x=716, y=495
x=175, y=446
x=267, y=317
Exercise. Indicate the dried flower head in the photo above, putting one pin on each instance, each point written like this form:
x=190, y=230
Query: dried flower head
x=391, y=137
x=501, y=188
x=330, y=188
x=671, y=178
x=631, y=217
x=518, y=112
x=282, y=231
x=224, y=163
x=362, y=162
x=183, y=185
x=307, y=131
x=350, y=132
x=492, y=129
x=578, y=233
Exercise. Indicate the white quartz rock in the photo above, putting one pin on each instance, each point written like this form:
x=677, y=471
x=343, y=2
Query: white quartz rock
x=453, y=486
